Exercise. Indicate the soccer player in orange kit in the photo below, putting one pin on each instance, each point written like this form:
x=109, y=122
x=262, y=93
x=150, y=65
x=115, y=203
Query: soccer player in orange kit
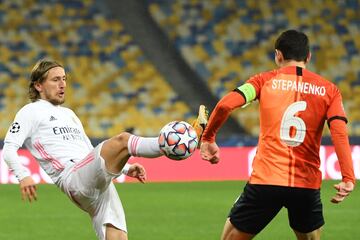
x=294, y=104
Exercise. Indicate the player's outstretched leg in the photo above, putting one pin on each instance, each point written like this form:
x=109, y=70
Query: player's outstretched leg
x=117, y=150
x=200, y=123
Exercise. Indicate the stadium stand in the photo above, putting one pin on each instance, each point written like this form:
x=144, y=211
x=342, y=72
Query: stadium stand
x=108, y=73
x=223, y=41
x=227, y=41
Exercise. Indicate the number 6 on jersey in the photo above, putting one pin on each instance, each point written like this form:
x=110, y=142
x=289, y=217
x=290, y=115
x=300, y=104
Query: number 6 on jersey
x=290, y=121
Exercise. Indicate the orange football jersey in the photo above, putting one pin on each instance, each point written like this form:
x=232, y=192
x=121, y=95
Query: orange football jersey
x=294, y=105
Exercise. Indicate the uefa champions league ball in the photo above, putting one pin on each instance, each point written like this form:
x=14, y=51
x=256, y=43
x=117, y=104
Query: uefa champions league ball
x=178, y=140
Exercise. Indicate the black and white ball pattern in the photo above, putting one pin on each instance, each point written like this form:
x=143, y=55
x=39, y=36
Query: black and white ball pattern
x=15, y=127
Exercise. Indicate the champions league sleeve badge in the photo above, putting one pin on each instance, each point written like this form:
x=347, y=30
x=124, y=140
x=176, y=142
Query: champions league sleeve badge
x=15, y=127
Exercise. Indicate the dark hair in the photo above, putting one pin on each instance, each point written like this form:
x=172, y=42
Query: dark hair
x=39, y=74
x=294, y=45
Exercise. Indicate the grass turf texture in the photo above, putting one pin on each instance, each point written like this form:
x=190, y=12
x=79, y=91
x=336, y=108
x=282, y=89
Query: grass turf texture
x=176, y=211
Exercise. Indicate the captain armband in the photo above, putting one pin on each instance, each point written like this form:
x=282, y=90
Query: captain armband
x=247, y=90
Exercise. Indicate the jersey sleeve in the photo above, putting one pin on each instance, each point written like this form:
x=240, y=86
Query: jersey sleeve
x=336, y=108
x=336, y=119
x=240, y=97
x=341, y=143
x=257, y=82
x=11, y=158
x=126, y=168
x=19, y=131
x=248, y=92
x=221, y=113
x=22, y=127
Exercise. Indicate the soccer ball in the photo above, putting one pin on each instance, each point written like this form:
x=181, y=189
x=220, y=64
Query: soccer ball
x=177, y=140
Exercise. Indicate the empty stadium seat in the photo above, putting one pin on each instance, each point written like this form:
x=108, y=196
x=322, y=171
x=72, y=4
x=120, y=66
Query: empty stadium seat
x=226, y=42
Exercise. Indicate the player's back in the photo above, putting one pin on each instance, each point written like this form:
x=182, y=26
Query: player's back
x=294, y=104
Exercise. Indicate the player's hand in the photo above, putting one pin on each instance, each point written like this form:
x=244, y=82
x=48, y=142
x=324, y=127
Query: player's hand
x=210, y=152
x=343, y=190
x=137, y=171
x=28, y=189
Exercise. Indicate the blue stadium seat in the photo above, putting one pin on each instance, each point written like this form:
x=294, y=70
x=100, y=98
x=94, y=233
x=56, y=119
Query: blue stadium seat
x=243, y=32
x=113, y=86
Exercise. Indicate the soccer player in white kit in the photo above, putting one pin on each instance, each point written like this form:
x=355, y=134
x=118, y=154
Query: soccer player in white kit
x=55, y=137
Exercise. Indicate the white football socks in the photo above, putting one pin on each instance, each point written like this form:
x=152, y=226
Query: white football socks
x=147, y=147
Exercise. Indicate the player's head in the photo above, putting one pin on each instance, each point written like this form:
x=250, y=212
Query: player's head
x=292, y=45
x=48, y=82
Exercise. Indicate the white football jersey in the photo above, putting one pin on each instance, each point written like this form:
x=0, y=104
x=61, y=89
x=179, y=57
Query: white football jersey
x=53, y=134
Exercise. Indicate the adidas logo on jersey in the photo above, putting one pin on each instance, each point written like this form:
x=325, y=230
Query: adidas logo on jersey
x=52, y=118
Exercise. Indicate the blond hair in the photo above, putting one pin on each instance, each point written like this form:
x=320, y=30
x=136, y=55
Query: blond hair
x=39, y=74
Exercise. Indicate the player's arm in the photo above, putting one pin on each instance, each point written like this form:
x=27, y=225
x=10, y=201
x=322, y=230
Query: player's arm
x=20, y=130
x=235, y=99
x=336, y=120
x=135, y=170
x=27, y=184
x=340, y=140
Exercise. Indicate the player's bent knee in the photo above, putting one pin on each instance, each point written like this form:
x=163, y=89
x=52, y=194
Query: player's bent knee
x=122, y=140
x=115, y=148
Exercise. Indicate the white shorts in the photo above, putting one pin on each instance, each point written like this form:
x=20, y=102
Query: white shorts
x=89, y=185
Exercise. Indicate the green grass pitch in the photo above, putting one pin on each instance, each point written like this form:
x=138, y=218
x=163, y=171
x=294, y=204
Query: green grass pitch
x=169, y=211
